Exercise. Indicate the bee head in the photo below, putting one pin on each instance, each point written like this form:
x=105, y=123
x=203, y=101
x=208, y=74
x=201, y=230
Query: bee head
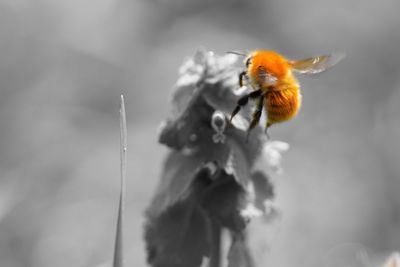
x=269, y=64
x=248, y=61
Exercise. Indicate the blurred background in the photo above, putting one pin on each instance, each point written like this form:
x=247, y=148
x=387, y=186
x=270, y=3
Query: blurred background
x=63, y=65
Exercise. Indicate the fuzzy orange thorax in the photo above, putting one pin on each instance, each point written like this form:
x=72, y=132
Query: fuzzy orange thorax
x=273, y=63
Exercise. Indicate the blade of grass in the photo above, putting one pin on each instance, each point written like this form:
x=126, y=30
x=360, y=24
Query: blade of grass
x=118, y=260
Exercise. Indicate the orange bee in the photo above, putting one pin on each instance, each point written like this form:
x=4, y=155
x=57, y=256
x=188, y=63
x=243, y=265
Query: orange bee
x=274, y=84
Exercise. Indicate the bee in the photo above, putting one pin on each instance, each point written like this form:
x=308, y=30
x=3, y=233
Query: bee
x=275, y=87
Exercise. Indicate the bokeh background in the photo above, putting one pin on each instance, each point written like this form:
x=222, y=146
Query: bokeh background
x=63, y=65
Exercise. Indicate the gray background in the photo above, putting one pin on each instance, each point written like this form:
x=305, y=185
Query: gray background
x=63, y=65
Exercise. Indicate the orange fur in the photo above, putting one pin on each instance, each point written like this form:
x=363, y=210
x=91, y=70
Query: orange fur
x=271, y=76
x=282, y=105
x=283, y=100
x=271, y=61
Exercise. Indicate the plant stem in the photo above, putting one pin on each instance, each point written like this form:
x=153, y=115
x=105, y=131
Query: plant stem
x=215, y=238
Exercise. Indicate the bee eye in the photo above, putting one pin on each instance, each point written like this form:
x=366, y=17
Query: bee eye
x=261, y=71
x=248, y=62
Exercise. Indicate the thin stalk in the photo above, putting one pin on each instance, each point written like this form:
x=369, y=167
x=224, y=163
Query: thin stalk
x=118, y=260
x=215, y=236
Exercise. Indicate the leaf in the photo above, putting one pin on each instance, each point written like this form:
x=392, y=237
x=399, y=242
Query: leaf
x=179, y=172
x=190, y=74
x=179, y=235
x=195, y=121
x=264, y=190
x=224, y=200
x=238, y=164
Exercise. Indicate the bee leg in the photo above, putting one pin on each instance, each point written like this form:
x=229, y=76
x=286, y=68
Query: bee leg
x=241, y=77
x=256, y=116
x=243, y=101
x=266, y=129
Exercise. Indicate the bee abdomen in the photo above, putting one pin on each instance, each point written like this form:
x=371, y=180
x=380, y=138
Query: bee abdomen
x=282, y=105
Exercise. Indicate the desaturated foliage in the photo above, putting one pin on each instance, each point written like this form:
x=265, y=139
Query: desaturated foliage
x=208, y=182
x=64, y=64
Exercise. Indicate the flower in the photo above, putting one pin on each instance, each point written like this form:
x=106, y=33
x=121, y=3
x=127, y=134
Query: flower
x=271, y=156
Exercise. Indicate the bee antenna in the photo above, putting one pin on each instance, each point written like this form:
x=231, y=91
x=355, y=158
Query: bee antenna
x=237, y=53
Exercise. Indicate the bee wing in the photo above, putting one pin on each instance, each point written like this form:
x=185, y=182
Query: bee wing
x=317, y=64
x=267, y=78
